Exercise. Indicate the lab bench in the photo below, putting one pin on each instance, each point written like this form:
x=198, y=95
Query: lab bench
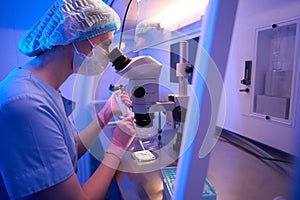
x=154, y=185
x=135, y=186
x=143, y=180
x=153, y=179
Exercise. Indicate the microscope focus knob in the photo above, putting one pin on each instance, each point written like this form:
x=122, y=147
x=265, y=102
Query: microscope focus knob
x=139, y=92
x=189, y=70
x=179, y=114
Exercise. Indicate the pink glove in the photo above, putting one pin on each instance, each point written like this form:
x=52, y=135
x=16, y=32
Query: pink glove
x=123, y=136
x=111, y=108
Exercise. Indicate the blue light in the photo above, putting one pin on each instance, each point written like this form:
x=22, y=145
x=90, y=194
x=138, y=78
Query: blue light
x=25, y=13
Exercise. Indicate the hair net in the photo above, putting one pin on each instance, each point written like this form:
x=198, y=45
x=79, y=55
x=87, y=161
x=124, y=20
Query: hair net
x=68, y=21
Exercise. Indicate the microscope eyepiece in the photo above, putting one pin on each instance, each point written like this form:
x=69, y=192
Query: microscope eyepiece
x=118, y=59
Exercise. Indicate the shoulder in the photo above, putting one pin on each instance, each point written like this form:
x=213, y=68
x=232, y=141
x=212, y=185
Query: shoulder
x=14, y=85
x=20, y=91
x=21, y=103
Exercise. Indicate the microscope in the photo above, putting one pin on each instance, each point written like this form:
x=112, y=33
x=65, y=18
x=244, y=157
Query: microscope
x=143, y=73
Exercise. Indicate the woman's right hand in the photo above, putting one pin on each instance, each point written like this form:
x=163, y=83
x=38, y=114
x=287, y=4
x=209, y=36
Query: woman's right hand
x=123, y=136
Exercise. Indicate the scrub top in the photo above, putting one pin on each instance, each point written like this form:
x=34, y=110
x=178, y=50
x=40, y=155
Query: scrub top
x=38, y=146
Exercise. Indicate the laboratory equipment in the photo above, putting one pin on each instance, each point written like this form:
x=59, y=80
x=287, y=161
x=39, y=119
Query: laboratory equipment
x=169, y=175
x=143, y=73
x=247, y=73
x=143, y=155
x=123, y=107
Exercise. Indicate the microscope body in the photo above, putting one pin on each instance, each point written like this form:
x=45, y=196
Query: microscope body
x=143, y=73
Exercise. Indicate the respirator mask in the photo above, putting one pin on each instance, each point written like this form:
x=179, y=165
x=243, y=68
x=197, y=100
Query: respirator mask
x=91, y=65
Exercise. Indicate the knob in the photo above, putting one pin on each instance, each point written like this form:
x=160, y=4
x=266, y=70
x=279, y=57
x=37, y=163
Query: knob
x=139, y=92
x=274, y=25
x=245, y=82
x=189, y=69
x=245, y=90
x=159, y=137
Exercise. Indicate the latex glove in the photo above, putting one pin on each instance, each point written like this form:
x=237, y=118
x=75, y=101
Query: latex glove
x=123, y=136
x=111, y=108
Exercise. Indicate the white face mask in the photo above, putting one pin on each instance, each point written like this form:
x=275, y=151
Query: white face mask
x=90, y=65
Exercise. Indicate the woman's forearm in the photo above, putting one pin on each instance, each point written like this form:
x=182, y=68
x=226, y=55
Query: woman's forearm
x=87, y=137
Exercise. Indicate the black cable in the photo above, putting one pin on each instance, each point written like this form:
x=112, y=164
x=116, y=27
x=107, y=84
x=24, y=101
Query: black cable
x=123, y=24
x=252, y=153
x=111, y=3
x=225, y=139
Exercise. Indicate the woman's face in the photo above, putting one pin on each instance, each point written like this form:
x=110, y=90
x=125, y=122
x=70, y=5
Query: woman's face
x=104, y=40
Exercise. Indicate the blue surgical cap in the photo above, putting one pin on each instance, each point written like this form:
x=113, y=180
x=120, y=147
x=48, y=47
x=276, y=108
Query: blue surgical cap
x=69, y=21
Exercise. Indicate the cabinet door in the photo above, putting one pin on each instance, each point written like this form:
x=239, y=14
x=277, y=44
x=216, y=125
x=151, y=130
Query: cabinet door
x=275, y=74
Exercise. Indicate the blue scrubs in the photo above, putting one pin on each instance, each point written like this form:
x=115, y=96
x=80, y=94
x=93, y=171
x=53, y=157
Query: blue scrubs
x=38, y=146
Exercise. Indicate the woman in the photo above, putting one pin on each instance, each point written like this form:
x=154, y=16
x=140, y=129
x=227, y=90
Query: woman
x=39, y=145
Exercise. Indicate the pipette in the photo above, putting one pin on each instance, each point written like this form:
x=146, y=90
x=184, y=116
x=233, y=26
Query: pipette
x=126, y=112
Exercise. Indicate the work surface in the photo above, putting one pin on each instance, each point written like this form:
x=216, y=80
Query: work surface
x=237, y=175
x=234, y=174
x=141, y=186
